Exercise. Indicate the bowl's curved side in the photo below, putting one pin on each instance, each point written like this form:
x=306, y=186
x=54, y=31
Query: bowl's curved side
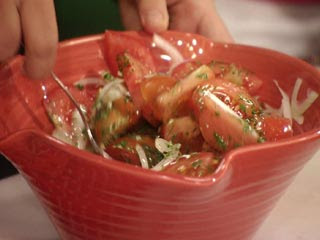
x=88, y=197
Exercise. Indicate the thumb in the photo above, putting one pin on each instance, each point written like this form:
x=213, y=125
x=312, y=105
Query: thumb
x=153, y=14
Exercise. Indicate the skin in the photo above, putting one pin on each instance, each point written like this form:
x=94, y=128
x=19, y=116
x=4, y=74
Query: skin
x=34, y=21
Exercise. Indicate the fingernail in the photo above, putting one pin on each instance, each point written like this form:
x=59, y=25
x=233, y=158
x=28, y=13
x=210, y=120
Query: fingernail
x=153, y=21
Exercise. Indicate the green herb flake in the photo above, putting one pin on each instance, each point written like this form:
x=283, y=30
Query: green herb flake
x=196, y=164
x=243, y=108
x=245, y=99
x=202, y=76
x=79, y=86
x=246, y=127
x=108, y=76
x=221, y=143
x=123, y=144
x=261, y=140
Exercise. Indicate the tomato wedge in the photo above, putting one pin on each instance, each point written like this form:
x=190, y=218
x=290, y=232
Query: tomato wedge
x=223, y=128
x=126, y=42
x=183, y=130
x=194, y=165
x=237, y=75
x=151, y=88
x=113, y=119
x=124, y=149
x=59, y=106
x=275, y=128
x=184, y=69
x=169, y=102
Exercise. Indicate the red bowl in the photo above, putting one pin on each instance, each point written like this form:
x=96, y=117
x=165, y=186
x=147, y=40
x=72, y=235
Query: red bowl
x=88, y=197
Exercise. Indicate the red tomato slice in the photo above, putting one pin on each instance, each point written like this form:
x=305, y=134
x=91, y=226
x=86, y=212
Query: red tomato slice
x=184, y=69
x=169, y=102
x=124, y=149
x=195, y=165
x=221, y=126
x=151, y=88
x=59, y=105
x=112, y=120
x=183, y=130
x=237, y=75
x=126, y=42
x=275, y=128
x=134, y=73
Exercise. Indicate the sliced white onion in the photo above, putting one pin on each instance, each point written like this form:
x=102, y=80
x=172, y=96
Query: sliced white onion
x=285, y=103
x=172, y=51
x=61, y=134
x=142, y=157
x=299, y=108
x=90, y=81
x=170, y=151
x=118, y=90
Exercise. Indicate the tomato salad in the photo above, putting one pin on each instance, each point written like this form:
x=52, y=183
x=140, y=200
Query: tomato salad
x=180, y=121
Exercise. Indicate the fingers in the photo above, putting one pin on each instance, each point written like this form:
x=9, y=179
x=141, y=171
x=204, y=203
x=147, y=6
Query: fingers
x=9, y=29
x=154, y=15
x=150, y=15
x=129, y=15
x=212, y=26
x=40, y=36
x=204, y=19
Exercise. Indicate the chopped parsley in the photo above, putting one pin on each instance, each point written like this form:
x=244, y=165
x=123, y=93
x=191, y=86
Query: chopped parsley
x=107, y=76
x=196, y=164
x=80, y=86
x=202, y=75
x=221, y=143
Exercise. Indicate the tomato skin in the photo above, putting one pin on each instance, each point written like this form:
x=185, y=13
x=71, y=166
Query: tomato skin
x=275, y=128
x=171, y=102
x=126, y=42
x=194, y=165
x=59, y=105
x=151, y=88
x=237, y=75
x=223, y=128
x=184, y=69
x=124, y=149
x=112, y=120
x=134, y=73
x=183, y=130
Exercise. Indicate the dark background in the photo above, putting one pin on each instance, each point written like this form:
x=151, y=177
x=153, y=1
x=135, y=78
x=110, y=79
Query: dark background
x=78, y=18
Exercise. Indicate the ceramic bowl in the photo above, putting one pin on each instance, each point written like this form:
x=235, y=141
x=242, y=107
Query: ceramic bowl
x=88, y=197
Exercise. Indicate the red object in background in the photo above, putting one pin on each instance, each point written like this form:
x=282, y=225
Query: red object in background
x=91, y=198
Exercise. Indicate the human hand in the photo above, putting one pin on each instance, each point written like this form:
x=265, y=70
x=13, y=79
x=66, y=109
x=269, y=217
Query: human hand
x=195, y=16
x=33, y=21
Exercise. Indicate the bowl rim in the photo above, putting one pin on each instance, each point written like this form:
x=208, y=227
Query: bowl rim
x=160, y=176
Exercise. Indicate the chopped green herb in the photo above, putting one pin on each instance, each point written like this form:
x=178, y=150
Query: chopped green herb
x=243, y=108
x=246, y=127
x=123, y=144
x=196, y=164
x=108, y=76
x=261, y=140
x=80, y=86
x=202, y=76
x=221, y=143
x=245, y=99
